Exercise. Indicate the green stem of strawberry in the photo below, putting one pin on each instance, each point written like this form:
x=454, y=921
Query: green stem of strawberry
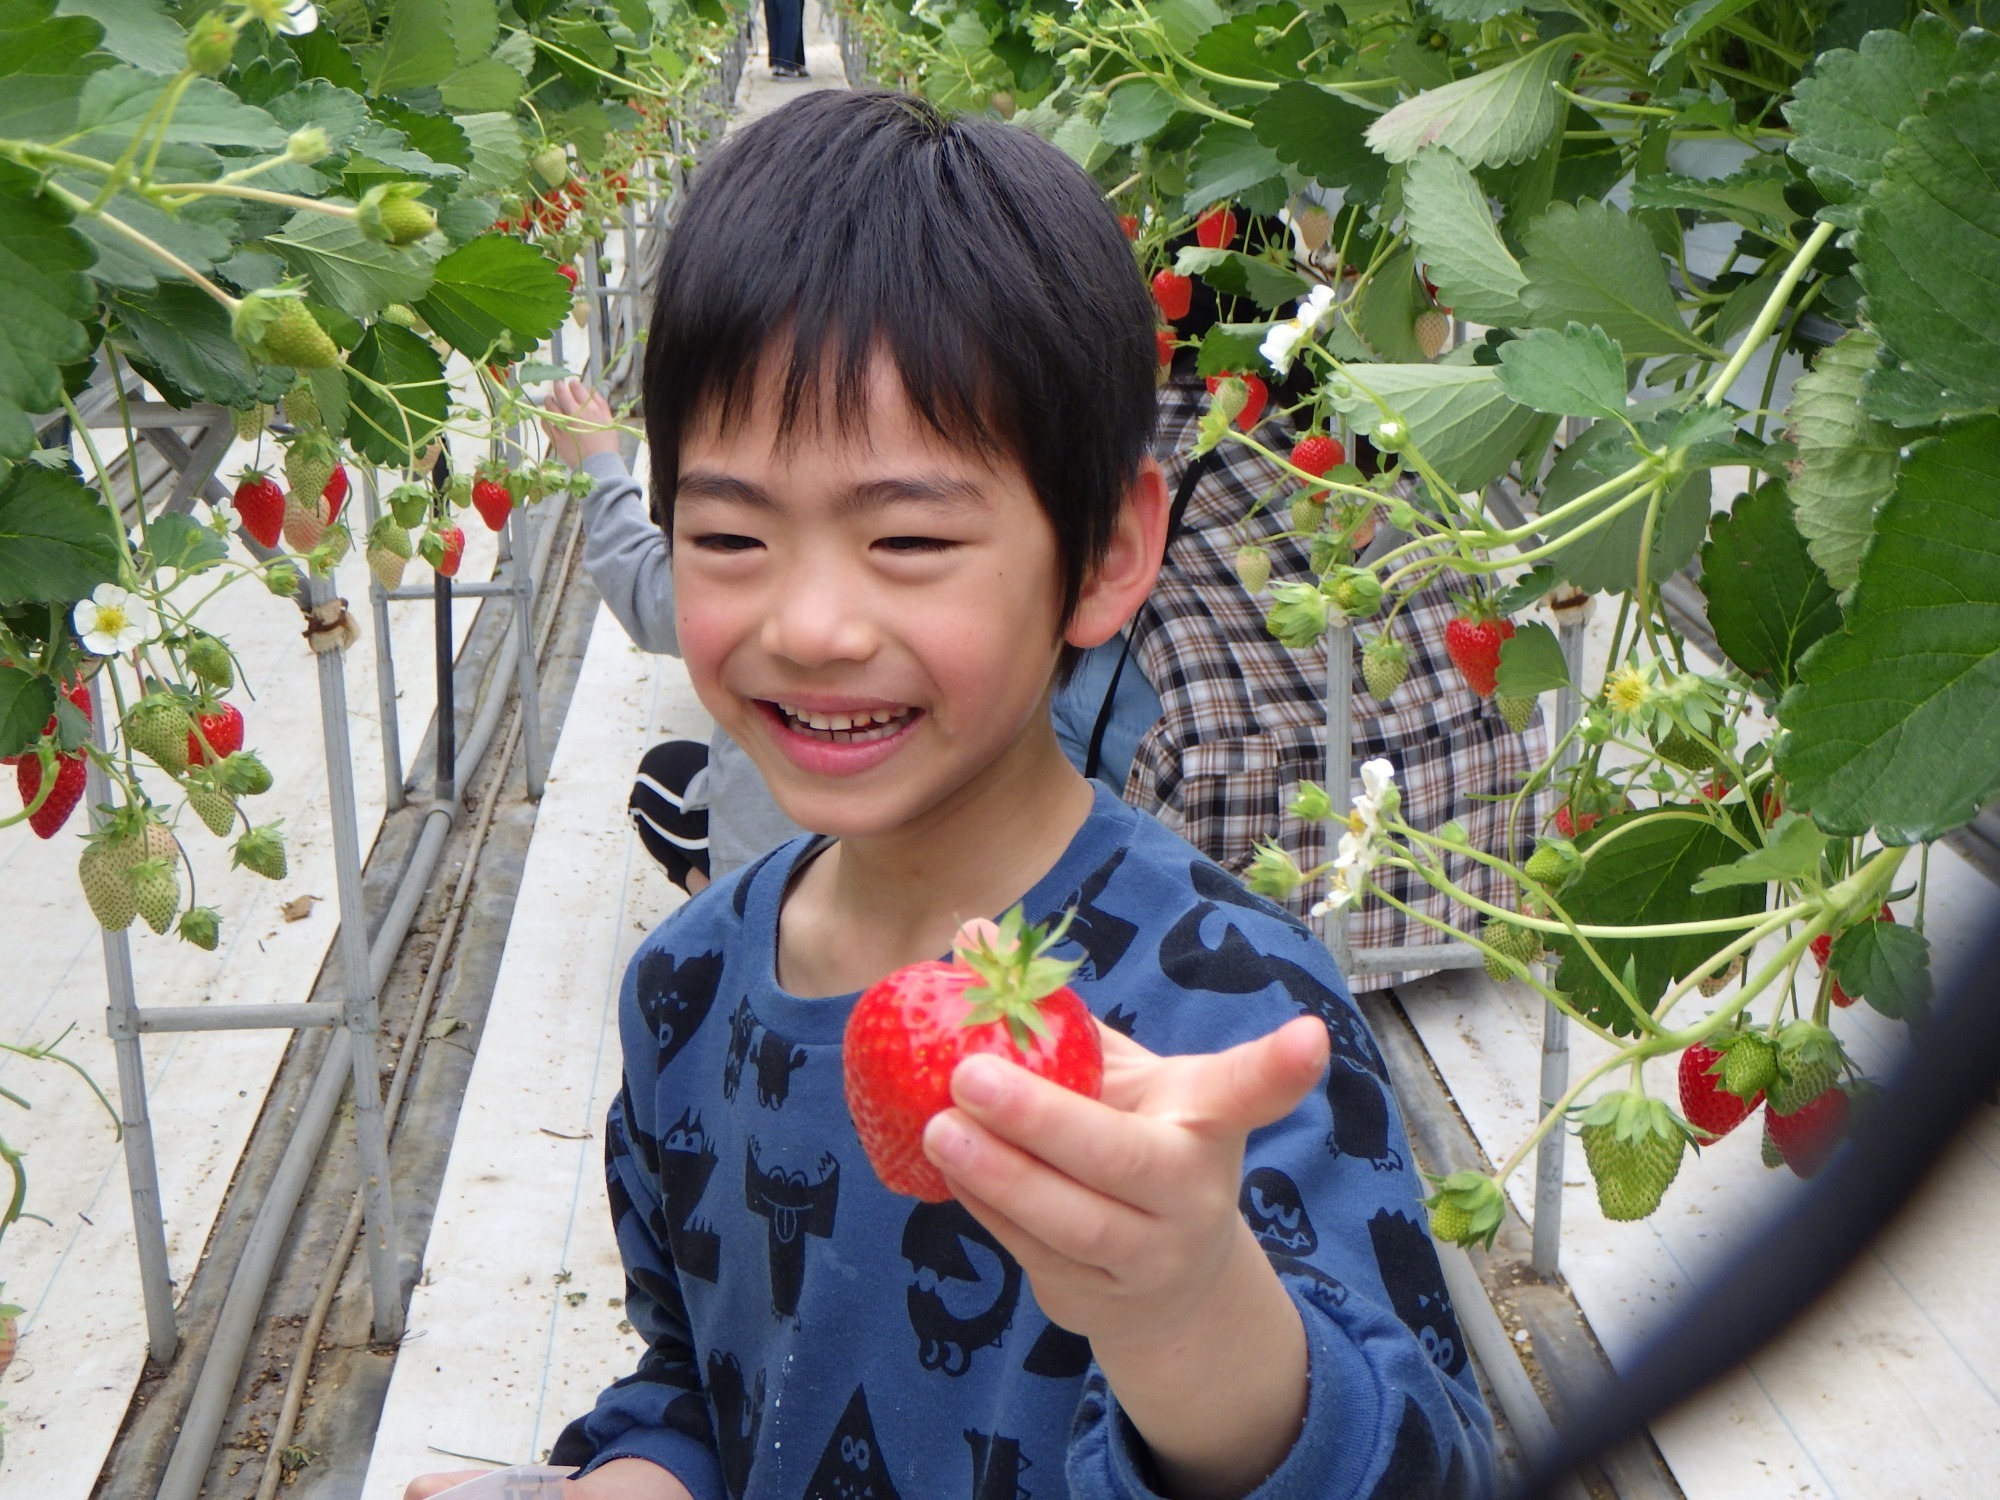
x=631, y=85
x=188, y=191
x=150, y=246
x=1768, y=315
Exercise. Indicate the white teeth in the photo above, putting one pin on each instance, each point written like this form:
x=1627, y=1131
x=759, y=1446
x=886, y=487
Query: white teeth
x=864, y=725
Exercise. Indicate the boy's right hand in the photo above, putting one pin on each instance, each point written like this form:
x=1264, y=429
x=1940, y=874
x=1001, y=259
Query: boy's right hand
x=621, y=1479
x=588, y=430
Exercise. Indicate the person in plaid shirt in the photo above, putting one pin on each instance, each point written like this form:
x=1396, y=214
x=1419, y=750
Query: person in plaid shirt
x=1243, y=718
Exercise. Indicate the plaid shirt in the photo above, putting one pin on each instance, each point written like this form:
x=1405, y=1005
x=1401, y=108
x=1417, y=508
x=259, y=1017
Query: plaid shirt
x=1244, y=718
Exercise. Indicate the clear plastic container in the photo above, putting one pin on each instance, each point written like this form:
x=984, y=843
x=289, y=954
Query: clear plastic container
x=522, y=1482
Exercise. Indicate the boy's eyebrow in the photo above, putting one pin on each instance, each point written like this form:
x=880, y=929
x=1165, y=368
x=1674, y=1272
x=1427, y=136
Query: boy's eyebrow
x=943, y=490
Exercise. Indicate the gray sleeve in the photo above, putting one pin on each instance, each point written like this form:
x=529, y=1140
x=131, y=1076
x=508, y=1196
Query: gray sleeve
x=626, y=556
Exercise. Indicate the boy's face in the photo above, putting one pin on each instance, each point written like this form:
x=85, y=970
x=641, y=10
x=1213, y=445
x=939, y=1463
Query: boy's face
x=873, y=616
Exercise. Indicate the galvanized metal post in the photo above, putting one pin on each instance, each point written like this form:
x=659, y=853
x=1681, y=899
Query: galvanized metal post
x=385, y=662
x=362, y=1021
x=1572, y=612
x=534, y=757
x=121, y=1021
x=1339, y=761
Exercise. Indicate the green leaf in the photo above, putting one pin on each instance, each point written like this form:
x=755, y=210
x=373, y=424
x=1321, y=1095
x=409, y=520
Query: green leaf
x=417, y=49
x=135, y=31
x=1186, y=21
x=499, y=151
x=1928, y=254
x=1079, y=139
x=117, y=101
x=1226, y=161
x=341, y=113
x=1753, y=197
x=1235, y=274
x=48, y=299
x=1459, y=417
x=484, y=85
x=180, y=541
x=1693, y=22
x=43, y=64
x=1475, y=10
x=26, y=701
x=1322, y=135
x=202, y=234
x=1847, y=459
x=1847, y=110
x=1232, y=49
x=1488, y=119
x=1768, y=602
x=347, y=268
x=1590, y=263
x=1231, y=347
x=1136, y=111
x=1445, y=209
x=1608, y=558
x=494, y=286
x=1793, y=851
x=1531, y=663
x=1640, y=869
x=390, y=429
x=58, y=540
x=1387, y=316
x=1886, y=964
x=182, y=336
x=1895, y=721
x=1575, y=372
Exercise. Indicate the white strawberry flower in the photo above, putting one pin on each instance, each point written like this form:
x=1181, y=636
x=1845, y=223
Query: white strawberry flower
x=1281, y=344
x=112, y=621
x=292, y=17
x=1358, y=853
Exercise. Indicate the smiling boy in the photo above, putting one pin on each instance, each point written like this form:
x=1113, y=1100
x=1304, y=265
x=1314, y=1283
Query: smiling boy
x=899, y=389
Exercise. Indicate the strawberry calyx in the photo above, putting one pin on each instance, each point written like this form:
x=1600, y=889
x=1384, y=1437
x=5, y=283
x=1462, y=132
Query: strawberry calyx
x=1016, y=973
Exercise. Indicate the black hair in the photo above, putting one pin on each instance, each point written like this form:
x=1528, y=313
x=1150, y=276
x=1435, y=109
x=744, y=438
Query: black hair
x=980, y=258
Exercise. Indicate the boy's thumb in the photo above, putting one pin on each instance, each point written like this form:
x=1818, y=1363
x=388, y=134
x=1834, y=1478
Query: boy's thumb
x=1258, y=1083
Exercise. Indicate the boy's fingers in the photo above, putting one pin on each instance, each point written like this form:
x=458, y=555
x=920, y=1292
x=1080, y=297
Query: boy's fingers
x=1254, y=1083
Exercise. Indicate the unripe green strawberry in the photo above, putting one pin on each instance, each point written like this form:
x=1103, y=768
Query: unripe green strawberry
x=310, y=460
x=1549, y=865
x=550, y=165
x=105, y=872
x=1355, y=592
x=1514, y=712
x=302, y=408
x=250, y=421
x=1684, y=750
x=391, y=214
x=262, y=850
x=1634, y=1145
x=214, y=809
x=1808, y=1064
x=1433, y=331
x=387, y=565
x=202, y=926
x=1767, y=1149
x=1749, y=1064
x=409, y=504
x=156, y=892
x=305, y=522
x=209, y=660
x=1307, y=514
x=1253, y=568
x=290, y=335
x=244, y=774
x=1449, y=1222
x=1384, y=665
x=211, y=45
x=1466, y=1209
x=157, y=727
x=1509, y=940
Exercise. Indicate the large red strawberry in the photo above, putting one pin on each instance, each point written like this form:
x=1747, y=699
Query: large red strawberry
x=1472, y=640
x=1163, y=345
x=492, y=500
x=260, y=505
x=1807, y=1136
x=222, y=728
x=1215, y=229
x=454, y=550
x=49, y=818
x=1174, y=293
x=908, y=1033
x=1318, y=453
x=334, y=492
x=1256, y=395
x=1709, y=1107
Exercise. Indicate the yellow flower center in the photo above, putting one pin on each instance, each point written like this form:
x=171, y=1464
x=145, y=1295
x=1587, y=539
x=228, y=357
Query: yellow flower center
x=1356, y=824
x=111, y=619
x=1627, y=690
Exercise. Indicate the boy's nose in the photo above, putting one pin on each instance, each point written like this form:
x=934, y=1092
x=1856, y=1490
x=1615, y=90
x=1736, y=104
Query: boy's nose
x=818, y=617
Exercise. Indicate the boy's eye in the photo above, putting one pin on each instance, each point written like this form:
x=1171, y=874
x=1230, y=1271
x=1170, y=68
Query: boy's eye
x=917, y=543
x=723, y=541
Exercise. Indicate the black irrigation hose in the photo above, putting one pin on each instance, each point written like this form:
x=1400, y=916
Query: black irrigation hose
x=1777, y=1275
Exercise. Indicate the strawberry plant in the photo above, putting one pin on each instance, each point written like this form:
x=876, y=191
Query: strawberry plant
x=1727, y=286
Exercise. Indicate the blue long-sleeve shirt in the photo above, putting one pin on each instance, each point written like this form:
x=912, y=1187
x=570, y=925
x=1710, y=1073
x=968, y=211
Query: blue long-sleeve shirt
x=812, y=1335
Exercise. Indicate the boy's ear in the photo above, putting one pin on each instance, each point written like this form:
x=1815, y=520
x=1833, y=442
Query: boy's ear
x=1120, y=582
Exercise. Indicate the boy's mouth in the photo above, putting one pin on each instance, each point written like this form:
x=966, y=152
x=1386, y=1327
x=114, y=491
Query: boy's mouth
x=854, y=726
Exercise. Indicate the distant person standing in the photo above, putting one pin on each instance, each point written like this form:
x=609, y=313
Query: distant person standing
x=785, y=29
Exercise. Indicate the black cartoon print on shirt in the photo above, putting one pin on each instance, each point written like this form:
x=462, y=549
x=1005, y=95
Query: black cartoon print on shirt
x=1355, y=1079
x=739, y=1412
x=777, y=1059
x=798, y=1204
x=1103, y=936
x=965, y=1287
x=1412, y=1470
x=1058, y=1354
x=1414, y=1280
x=1271, y=1205
x=675, y=998
x=852, y=1467
x=997, y=1466
x=686, y=1162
